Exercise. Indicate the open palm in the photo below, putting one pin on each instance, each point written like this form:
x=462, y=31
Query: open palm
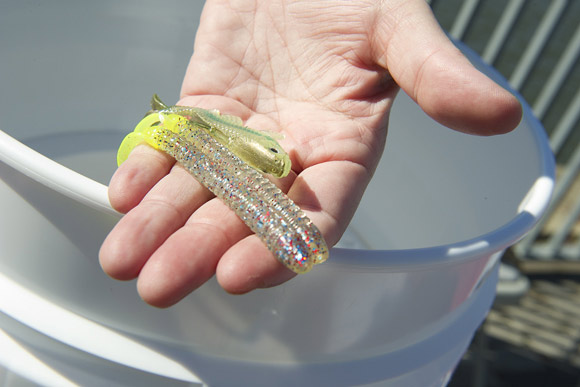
x=324, y=73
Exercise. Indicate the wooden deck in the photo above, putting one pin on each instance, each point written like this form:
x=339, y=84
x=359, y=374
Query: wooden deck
x=545, y=322
x=532, y=342
x=560, y=263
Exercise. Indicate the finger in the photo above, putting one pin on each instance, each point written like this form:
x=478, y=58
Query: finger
x=138, y=234
x=249, y=265
x=328, y=193
x=136, y=176
x=188, y=257
x=410, y=44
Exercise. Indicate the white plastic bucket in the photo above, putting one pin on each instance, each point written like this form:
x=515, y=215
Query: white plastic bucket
x=398, y=307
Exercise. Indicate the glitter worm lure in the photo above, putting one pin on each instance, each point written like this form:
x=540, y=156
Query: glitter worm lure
x=281, y=225
x=257, y=148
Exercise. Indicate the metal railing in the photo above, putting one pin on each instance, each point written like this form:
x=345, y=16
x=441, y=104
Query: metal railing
x=536, y=46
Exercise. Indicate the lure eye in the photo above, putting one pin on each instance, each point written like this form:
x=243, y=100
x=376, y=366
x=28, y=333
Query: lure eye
x=274, y=150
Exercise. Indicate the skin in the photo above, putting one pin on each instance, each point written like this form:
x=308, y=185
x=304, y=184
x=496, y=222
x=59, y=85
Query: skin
x=325, y=74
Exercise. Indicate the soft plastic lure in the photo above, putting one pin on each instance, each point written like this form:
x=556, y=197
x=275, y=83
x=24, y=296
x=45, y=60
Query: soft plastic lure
x=283, y=227
x=257, y=148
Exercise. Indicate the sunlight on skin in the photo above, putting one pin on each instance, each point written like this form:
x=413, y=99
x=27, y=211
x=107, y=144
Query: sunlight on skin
x=323, y=73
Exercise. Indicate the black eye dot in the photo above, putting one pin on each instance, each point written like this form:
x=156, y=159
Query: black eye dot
x=274, y=150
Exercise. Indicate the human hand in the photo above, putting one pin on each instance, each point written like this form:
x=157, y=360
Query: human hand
x=325, y=74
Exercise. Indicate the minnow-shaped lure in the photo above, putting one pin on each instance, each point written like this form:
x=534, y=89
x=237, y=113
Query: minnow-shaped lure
x=283, y=227
x=257, y=148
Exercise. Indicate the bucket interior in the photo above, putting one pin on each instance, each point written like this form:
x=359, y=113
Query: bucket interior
x=73, y=96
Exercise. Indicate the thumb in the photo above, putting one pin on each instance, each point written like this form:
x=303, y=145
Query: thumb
x=411, y=45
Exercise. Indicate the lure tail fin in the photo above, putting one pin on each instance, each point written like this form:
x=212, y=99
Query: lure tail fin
x=144, y=132
x=138, y=136
x=129, y=143
x=157, y=103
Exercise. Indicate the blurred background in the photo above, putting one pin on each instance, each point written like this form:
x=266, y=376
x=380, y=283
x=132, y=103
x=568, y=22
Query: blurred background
x=532, y=335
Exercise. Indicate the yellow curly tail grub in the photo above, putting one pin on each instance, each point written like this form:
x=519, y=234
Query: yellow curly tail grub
x=144, y=132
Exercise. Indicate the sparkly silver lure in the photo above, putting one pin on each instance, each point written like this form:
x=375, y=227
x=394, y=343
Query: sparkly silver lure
x=283, y=227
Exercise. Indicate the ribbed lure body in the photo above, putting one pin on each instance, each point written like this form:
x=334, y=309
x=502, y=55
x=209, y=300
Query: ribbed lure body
x=279, y=223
